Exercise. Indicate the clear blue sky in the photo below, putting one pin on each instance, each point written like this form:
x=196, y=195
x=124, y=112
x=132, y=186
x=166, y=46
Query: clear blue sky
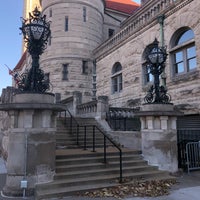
x=10, y=38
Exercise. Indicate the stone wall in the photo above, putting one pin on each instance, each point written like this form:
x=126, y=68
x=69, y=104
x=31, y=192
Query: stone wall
x=128, y=50
x=6, y=97
x=74, y=46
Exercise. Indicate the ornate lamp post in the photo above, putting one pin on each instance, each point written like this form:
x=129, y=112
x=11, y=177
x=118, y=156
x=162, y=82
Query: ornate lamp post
x=36, y=32
x=156, y=57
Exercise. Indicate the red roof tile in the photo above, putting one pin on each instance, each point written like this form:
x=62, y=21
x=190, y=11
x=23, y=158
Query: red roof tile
x=125, y=6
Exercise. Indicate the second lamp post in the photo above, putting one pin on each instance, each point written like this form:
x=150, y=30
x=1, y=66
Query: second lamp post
x=156, y=57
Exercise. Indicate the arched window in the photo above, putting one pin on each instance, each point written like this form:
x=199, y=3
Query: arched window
x=116, y=78
x=183, y=52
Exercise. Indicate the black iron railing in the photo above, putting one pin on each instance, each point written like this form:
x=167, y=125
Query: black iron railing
x=123, y=119
x=95, y=129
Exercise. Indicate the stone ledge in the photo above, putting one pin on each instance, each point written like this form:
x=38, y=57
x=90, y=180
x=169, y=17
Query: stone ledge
x=30, y=106
x=158, y=113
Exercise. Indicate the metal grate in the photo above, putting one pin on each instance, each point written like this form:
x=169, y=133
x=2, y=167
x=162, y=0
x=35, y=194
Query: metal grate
x=193, y=155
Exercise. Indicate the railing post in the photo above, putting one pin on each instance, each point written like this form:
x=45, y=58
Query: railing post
x=105, y=159
x=70, y=123
x=94, y=138
x=77, y=134
x=85, y=146
x=125, y=124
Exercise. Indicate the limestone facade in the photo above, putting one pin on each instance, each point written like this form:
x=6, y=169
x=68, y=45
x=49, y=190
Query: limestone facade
x=128, y=45
x=68, y=60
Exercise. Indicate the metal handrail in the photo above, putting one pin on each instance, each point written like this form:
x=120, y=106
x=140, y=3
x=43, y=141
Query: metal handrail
x=94, y=136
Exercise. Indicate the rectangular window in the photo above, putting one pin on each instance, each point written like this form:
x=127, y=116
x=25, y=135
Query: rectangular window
x=66, y=24
x=117, y=83
x=114, y=84
x=65, y=72
x=120, y=82
x=50, y=12
x=111, y=32
x=94, y=79
x=184, y=59
x=84, y=14
x=84, y=67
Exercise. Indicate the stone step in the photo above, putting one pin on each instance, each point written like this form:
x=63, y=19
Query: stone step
x=92, y=166
x=81, y=137
x=111, y=151
x=101, y=171
x=100, y=158
x=61, y=188
x=80, y=170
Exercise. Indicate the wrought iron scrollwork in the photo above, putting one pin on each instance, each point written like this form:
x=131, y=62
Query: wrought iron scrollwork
x=163, y=96
x=156, y=57
x=26, y=84
x=36, y=31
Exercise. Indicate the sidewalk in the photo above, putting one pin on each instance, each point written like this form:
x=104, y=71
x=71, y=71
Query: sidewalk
x=187, y=188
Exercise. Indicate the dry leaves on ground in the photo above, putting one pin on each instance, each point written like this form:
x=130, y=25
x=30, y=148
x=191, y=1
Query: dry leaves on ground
x=137, y=189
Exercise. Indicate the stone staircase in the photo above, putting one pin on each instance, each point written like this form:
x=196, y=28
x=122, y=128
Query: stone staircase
x=66, y=140
x=79, y=170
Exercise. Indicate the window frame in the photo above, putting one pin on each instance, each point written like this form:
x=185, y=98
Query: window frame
x=84, y=14
x=85, y=67
x=66, y=23
x=65, y=71
x=50, y=12
x=116, y=79
x=111, y=32
x=182, y=48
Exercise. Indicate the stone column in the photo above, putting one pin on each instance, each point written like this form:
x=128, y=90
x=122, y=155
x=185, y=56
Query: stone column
x=159, y=135
x=31, y=146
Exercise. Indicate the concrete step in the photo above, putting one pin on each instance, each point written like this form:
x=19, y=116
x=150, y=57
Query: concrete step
x=61, y=188
x=102, y=170
x=98, y=165
x=79, y=171
x=98, y=158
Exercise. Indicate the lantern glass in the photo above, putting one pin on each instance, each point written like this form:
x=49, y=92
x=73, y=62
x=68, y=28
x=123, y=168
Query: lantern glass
x=156, y=56
x=37, y=29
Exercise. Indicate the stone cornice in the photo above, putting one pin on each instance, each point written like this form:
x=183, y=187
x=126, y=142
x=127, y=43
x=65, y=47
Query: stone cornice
x=133, y=29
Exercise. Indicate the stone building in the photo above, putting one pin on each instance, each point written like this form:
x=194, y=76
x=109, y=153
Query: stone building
x=90, y=39
x=77, y=28
x=96, y=63
x=97, y=52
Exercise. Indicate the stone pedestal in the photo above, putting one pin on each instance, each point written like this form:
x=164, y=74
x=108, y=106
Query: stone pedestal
x=31, y=144
x=159, y=135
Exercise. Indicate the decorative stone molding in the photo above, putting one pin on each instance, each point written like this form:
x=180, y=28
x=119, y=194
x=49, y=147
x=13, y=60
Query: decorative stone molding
x=30, y=141
x=159, y=135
